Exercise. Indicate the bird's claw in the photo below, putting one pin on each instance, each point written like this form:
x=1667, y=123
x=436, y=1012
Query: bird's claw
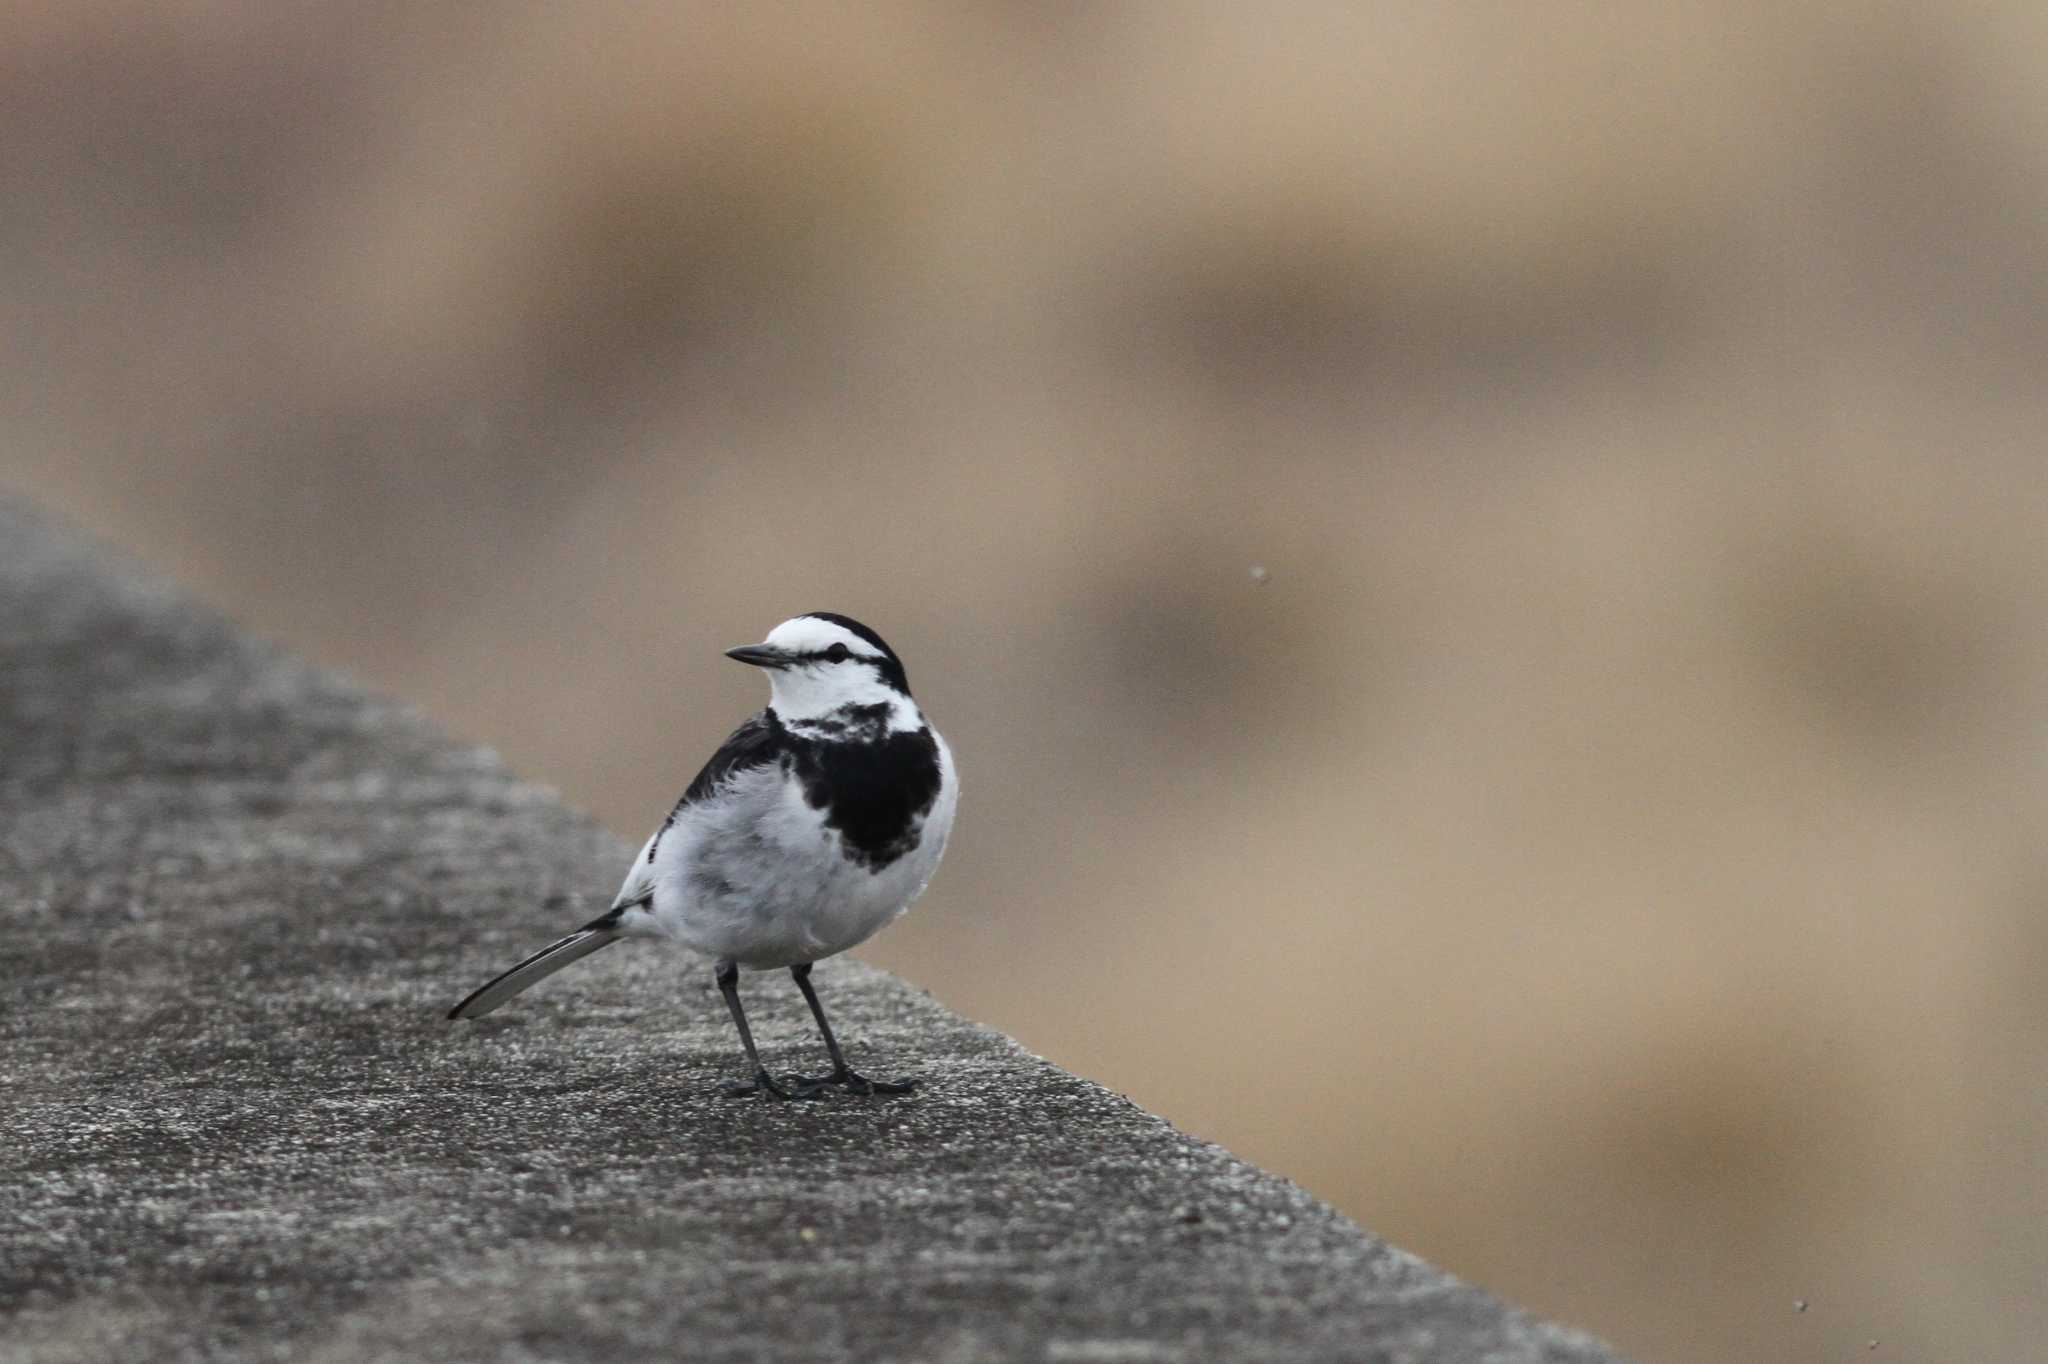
x=762, y=1083
x=810, y=1086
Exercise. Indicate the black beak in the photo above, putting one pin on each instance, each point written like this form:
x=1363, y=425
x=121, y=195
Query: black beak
x=760, y=655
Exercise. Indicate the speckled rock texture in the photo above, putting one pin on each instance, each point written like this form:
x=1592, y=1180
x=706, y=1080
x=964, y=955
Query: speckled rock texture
x=237, y=896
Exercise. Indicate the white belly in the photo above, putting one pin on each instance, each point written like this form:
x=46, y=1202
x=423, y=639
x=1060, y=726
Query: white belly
x=754, y=876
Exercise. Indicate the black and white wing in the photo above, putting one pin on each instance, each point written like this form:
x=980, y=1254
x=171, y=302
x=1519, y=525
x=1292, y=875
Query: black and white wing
x=760, y=742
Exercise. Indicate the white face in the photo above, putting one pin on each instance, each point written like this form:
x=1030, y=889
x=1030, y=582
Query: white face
x=809, y=635
x=830, y=667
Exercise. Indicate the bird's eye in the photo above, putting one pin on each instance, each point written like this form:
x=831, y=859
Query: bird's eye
x=838, y=653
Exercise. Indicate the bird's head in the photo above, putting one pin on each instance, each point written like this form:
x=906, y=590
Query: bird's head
x=821, y=662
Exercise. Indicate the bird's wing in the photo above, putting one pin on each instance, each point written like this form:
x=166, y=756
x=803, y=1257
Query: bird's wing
x=760, y=742
x=639, y=883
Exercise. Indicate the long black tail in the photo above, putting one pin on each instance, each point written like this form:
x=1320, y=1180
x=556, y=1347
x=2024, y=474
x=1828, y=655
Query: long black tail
x=599, y=932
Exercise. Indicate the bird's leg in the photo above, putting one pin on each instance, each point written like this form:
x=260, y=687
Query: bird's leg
x=842, y=1074
x=729, y=986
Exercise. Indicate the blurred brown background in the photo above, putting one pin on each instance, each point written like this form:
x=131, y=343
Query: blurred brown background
x=1604, y=854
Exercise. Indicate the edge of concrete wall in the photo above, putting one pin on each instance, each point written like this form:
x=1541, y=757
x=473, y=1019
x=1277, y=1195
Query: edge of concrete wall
x=237, y=895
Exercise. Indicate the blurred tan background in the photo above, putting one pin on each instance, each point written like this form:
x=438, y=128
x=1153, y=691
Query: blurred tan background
x=1605, y=850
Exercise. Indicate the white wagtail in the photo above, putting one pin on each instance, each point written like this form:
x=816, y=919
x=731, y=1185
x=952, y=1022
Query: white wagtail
x=814, y=825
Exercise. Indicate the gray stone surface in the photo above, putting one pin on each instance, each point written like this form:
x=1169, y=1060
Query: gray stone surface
x=236, y=896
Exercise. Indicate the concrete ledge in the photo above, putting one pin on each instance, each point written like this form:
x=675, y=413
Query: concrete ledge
x=236, y=896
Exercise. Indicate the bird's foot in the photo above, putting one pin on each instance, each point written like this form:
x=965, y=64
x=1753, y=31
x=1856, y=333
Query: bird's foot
x=762, y=1083
x=810, y=1086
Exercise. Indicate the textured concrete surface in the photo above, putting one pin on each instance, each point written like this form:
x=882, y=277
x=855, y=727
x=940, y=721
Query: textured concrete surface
x=236, y=896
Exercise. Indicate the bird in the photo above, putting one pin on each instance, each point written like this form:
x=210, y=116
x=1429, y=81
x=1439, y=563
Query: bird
x=814, y=825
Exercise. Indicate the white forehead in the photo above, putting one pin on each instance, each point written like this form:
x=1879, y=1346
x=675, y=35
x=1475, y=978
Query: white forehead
x=808, y=634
